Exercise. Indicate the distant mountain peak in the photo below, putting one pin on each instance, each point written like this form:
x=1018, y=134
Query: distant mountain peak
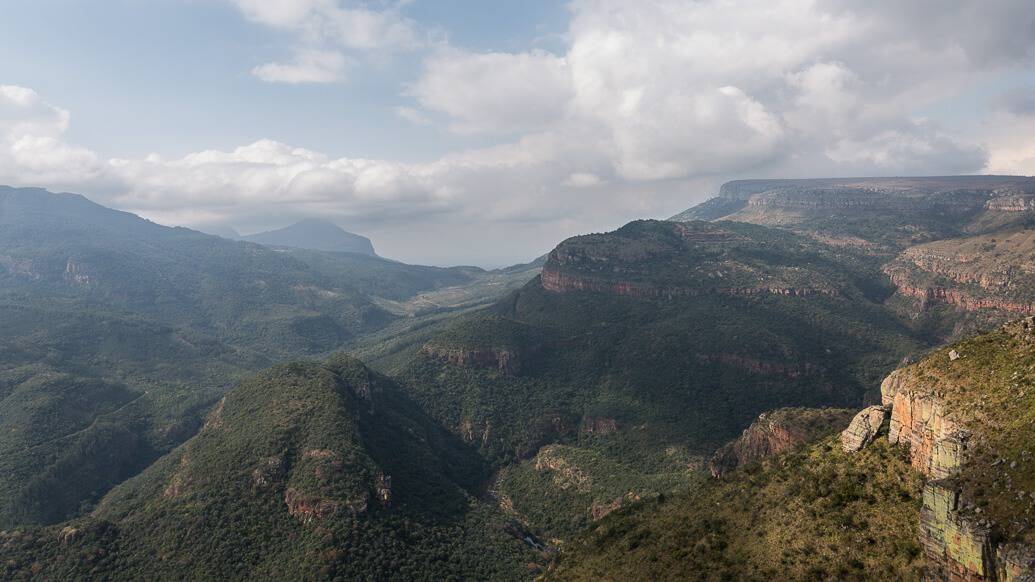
x=316, y=234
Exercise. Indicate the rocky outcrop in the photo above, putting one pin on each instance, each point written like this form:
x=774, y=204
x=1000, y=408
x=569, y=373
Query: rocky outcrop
x=957, y=549
x=775, y=432
x=506, y=361
x=1012, y=203
x=864, y=428
x=307, y=508
x=920, y=420
x=566, y=475
x=76, y=274
x=559, y=282
x=597, y=425
x=959, y=545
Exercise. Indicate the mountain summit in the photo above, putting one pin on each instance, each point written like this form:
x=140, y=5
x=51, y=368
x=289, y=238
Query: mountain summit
x=317, y=235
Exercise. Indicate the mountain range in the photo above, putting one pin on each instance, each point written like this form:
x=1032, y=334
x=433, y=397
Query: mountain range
x=674, y=399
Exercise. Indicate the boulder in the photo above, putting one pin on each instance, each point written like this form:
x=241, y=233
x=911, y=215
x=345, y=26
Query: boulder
x=864, y=428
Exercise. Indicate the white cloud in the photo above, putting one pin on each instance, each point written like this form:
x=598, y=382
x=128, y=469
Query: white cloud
x=31, y=148
x=583, y=180
x=412, y=115
x=495, y=92
x=675, y=90
x=309, y=66
x=324, y=30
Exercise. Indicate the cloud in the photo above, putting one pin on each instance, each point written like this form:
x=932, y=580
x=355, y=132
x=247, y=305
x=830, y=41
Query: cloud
x=324, y=31
x=412, y=115
x=647, y=107
x=1017, y=101
x=495, y=92
x=670, y=90
x=309, y=66
x=583, y=180
x=31, y=148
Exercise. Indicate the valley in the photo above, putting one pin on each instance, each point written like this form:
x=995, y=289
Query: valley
x=661, y=401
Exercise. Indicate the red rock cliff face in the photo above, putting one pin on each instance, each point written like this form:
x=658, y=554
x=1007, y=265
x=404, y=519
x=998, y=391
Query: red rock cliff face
x=558, y=282
x=959, y=298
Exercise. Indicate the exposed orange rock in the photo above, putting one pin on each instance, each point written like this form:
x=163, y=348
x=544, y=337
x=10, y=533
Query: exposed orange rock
x=775, y=432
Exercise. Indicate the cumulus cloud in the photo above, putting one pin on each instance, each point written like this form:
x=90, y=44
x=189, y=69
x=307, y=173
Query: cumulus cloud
x=32, y=151
x=676, y=90
x=324, y=30
x=495, y=92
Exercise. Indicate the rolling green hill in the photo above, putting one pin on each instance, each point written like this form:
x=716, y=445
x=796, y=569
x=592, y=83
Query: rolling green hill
x=308, y=470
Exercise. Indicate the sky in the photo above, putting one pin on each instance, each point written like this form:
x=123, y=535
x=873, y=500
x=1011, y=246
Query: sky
x=474, y=132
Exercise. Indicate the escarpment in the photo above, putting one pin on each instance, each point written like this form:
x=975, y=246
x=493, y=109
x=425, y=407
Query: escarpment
x=664, y=260
x=987, y=272
x=563, y=283
x=776, y=432
x=965, y=415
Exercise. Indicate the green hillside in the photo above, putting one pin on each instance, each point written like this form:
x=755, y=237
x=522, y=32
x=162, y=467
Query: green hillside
x=654, y=345
x=306, y=470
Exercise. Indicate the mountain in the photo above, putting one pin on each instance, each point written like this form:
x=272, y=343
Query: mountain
x=879, y=215
x=307, y=470
x=616, y=373
x=939, y=488
x=119, y=333
x=314, y=234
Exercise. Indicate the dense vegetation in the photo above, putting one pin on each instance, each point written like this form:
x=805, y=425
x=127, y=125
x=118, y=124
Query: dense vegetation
x=813, y=514
x=120, y=333
x=667, y=379
x=306, y=470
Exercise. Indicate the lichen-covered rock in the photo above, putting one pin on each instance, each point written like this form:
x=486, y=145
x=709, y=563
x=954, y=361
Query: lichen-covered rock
x=864, y=428
x=957, y=548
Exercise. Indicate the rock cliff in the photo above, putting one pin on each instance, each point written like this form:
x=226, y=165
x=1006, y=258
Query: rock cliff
x=964, y=413
x=776, y=432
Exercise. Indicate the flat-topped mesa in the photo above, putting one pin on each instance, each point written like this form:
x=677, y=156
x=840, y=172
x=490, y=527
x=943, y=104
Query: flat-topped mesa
x=894, y=212
x=775, y=432
x=664, y=260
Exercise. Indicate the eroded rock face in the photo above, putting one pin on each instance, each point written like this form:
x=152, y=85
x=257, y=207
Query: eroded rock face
x=775, y=432
x=958, y=544
x=956, y=548
x=864, y=428
x=919, y=419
